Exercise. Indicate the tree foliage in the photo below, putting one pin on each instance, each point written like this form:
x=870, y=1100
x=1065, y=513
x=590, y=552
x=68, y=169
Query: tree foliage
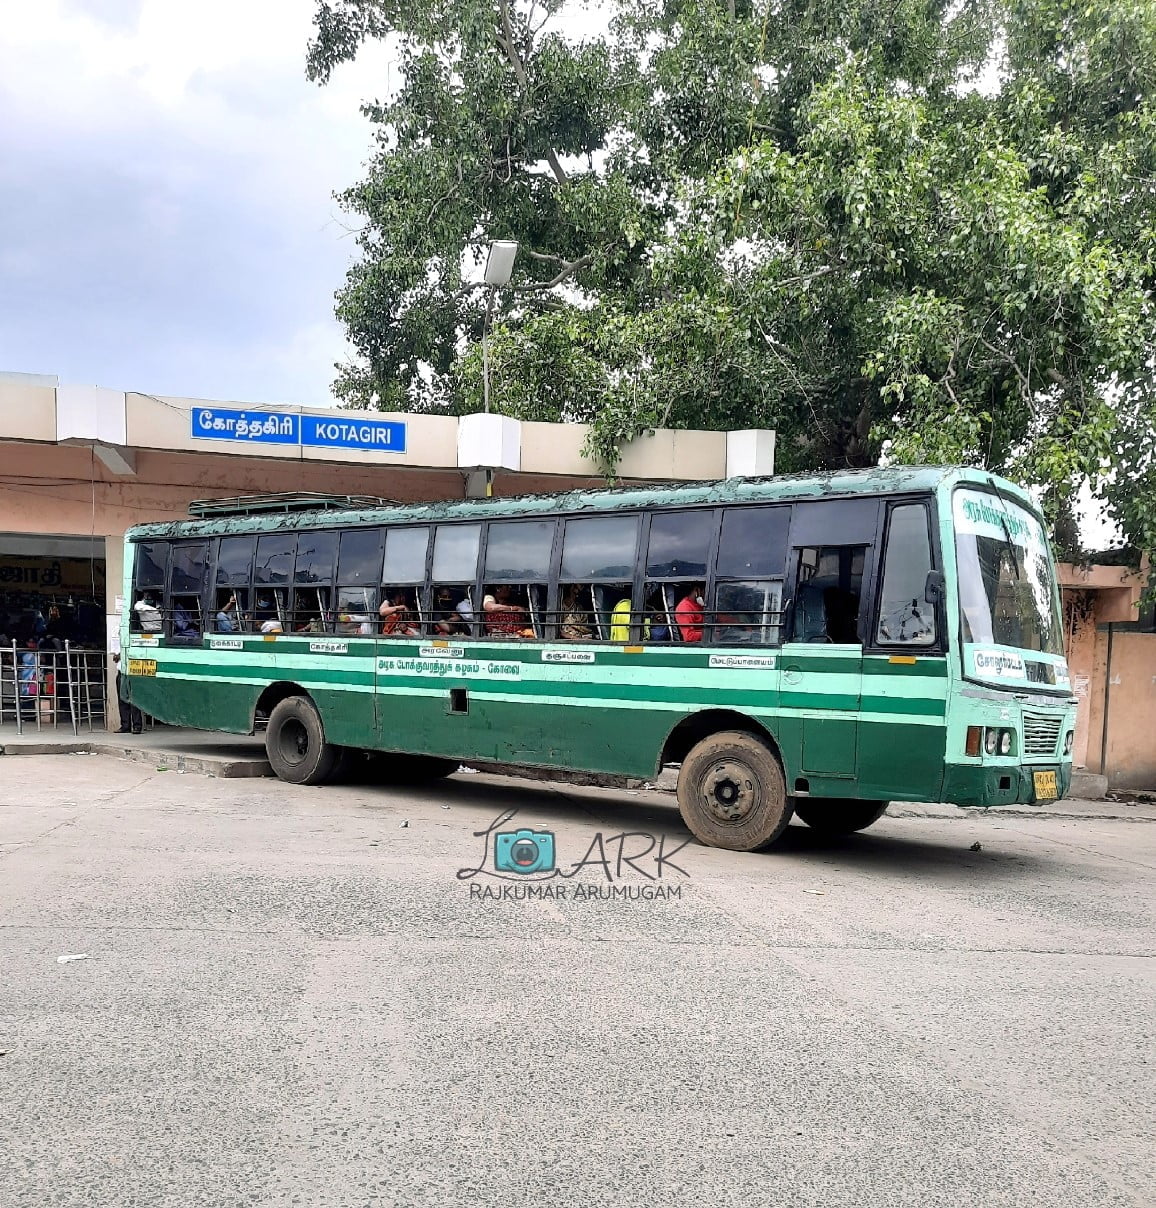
x=924, y=221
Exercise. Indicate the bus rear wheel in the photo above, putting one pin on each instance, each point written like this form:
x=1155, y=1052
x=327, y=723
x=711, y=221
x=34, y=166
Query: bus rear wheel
x=732, y=794
x=839, y=816
x=295, y=743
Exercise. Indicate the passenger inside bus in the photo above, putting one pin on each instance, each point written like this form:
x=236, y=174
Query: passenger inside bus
x=503, y=617
x=228, y=618
x=575, y=614
x=448, y=619
x=267, y=614
x=620, y=620
x=453, y=611
x=311, y=610
x=399, y=619
x=658, y=617
x=186, y=621
x=688, y=614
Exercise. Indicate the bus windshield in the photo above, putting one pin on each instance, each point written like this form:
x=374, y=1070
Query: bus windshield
x=1007, y=584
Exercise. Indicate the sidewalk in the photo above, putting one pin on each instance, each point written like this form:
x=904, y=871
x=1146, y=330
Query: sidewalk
x=211, y=753
x=207, y=752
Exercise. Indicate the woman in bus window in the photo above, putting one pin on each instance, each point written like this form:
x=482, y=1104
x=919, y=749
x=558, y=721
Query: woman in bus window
x=502, y=617
x=575, y=623
x=395, y=617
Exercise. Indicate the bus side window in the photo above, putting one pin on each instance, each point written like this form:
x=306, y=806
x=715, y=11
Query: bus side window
x=358, y=576
x=188, y=574
x=313, y=582
x=600, y=552
x=905, y=616
x=677, y=553
x=149, y=569
x=515, y=577
x=402, y=574
x=749, y=574
x=749, y=612
x=272, y=572
x=455, y=567
x=232, y=575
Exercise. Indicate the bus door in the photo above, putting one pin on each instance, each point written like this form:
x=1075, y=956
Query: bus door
x=823, y=657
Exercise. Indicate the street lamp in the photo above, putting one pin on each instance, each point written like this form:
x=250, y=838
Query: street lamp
x=499, y=269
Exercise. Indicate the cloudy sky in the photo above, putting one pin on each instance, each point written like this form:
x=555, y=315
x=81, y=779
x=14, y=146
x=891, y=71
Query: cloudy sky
x=166, y=181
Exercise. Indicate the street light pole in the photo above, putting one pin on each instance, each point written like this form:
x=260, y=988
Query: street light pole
x=486, y=350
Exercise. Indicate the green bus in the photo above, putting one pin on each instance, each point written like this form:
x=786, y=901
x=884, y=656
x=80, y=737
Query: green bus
x=815, y=645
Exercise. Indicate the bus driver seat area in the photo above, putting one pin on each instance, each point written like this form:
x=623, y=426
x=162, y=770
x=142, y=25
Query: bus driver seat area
x=827, y=614
x=811, y=615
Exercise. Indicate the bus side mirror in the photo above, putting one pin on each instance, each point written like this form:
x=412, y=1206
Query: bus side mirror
x=933, y=587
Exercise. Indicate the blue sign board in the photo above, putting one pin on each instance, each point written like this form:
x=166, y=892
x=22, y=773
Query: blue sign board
x=253, y=427
x=309, y=431
x=321, y=431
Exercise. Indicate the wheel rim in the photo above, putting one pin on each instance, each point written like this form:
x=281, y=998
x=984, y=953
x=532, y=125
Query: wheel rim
x=730, y=791
x=293, y=741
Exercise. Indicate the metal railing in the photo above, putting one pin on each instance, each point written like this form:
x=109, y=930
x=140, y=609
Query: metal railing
x=49, y=688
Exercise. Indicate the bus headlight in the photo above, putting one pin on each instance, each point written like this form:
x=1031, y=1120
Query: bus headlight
x=1005, y=742
x=991, y=741
x=1069, y=741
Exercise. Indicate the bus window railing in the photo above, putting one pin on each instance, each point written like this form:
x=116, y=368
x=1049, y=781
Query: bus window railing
x=604, y=624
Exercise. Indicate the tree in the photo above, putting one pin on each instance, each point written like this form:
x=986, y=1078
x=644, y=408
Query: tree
x=920, y=221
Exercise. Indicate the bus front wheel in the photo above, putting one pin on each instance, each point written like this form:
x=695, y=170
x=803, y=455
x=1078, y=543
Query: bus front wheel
x=839, y=816
x=295, y=743
x=731, y=792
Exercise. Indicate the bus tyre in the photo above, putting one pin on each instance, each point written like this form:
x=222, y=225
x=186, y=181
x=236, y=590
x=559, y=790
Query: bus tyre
x=839, y=816
x=295, y=743
x=731, y=792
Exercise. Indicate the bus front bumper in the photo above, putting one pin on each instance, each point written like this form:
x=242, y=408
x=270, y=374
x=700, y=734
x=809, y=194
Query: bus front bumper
x=980, y=786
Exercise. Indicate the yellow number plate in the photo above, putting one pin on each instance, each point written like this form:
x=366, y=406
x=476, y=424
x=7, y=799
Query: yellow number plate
x=149, y=667
x=1045, y=785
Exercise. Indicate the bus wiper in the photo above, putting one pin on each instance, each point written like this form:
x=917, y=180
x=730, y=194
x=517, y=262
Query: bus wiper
x=1007, y=537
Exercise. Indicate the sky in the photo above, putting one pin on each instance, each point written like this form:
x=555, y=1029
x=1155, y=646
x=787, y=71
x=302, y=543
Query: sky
x=167, y=221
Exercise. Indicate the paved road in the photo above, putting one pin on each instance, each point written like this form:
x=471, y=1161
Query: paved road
x=289, y=997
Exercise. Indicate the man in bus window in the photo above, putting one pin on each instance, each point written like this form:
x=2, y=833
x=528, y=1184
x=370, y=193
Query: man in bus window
x=688, y=614
x=501, y=616
x=184, y=627
x=149, y=613
x=227, y=619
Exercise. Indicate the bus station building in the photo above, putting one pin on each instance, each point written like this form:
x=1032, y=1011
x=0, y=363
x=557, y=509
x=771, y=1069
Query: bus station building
x=79, y=465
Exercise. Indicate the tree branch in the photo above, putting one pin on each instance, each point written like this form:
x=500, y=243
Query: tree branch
x=568, y=269
x=506, y=41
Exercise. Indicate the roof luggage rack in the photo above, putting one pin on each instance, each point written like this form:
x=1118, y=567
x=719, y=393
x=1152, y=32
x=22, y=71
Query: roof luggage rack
x=285, y=501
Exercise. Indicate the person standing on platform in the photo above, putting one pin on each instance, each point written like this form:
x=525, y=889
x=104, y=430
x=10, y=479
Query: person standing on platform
x=131, y=718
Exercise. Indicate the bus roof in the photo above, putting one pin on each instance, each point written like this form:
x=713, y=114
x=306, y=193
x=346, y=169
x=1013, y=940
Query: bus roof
x=785, y=488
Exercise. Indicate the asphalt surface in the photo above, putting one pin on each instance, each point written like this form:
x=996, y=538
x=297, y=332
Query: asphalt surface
x=289, y=997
